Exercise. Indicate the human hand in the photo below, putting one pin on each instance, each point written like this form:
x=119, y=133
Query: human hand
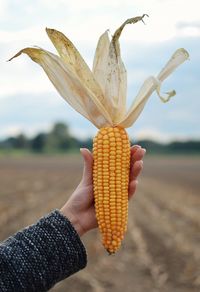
x=79, y=209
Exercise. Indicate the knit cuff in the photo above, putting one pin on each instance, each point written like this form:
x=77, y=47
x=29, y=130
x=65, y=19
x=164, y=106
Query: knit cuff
x=66, y=234
x=64, y=250
x=69, y=235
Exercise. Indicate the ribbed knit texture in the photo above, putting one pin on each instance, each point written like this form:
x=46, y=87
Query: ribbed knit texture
x=41, y=255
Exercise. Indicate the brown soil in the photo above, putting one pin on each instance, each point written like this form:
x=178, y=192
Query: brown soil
x=161, y=248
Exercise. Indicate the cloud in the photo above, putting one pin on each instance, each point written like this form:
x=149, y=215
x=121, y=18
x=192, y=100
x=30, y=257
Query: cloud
x=151, y=133
x=28, y=100
x=3, y=8
x=86, y=20
x=23, y=35
x=13, y=130
x=22, y=76
x=180, y=115
x=184, y=24
x=191, y=28
x=37, y=112
x=32, y=100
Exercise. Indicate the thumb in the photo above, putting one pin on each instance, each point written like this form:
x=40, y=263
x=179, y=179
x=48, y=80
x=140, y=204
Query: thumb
x=88, y=163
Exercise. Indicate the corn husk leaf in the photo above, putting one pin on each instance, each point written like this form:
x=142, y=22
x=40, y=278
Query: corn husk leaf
x=100, y=96
x=138, y=104
x=116, y=82
x=116, y=76
x=116, y=86
x=71, y=56
x=100, y=62
x=152, y=84
x=69, y=86
x=179, y=57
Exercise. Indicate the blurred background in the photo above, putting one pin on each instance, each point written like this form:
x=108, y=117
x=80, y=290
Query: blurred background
x=40, y=137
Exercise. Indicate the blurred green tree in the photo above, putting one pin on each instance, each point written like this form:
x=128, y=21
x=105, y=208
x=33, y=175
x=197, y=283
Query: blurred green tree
x=21, y=142
x=38, y=143
x=59, y=138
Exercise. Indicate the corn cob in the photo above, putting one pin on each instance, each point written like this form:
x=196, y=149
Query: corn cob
x=100, y=96
x=111, y=152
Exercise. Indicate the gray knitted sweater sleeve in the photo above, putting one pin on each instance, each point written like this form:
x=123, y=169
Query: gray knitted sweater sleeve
x=41, y=255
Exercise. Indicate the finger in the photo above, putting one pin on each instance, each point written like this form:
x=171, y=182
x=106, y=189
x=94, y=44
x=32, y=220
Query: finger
x=132, y=188
x=134, y=148
x=136, y=170
x=138, y=154
x=88, y=163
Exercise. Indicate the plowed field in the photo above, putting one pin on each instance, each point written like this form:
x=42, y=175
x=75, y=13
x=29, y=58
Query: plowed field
x=161, y=251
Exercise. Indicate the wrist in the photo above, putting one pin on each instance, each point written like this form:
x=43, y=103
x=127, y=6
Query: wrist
x=73, y=220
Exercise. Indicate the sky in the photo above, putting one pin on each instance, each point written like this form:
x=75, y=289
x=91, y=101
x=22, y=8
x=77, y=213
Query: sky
x=28, y=101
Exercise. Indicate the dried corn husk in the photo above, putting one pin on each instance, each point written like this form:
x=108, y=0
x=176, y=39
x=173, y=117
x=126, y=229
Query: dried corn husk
x=99, y=95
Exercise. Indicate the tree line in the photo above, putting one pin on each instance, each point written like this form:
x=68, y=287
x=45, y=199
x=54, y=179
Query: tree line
x=59, y=139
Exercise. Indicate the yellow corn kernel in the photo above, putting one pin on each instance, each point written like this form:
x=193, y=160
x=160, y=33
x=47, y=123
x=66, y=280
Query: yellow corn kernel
x=111, y=152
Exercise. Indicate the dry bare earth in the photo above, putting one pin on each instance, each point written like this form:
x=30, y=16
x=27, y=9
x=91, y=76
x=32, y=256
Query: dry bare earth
x=161, y=249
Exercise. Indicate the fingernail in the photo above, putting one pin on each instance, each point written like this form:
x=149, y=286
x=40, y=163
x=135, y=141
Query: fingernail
x=136, y=146
x=144, y=150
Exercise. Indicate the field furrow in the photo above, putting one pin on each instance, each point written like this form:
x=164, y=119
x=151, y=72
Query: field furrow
x=160, y=252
